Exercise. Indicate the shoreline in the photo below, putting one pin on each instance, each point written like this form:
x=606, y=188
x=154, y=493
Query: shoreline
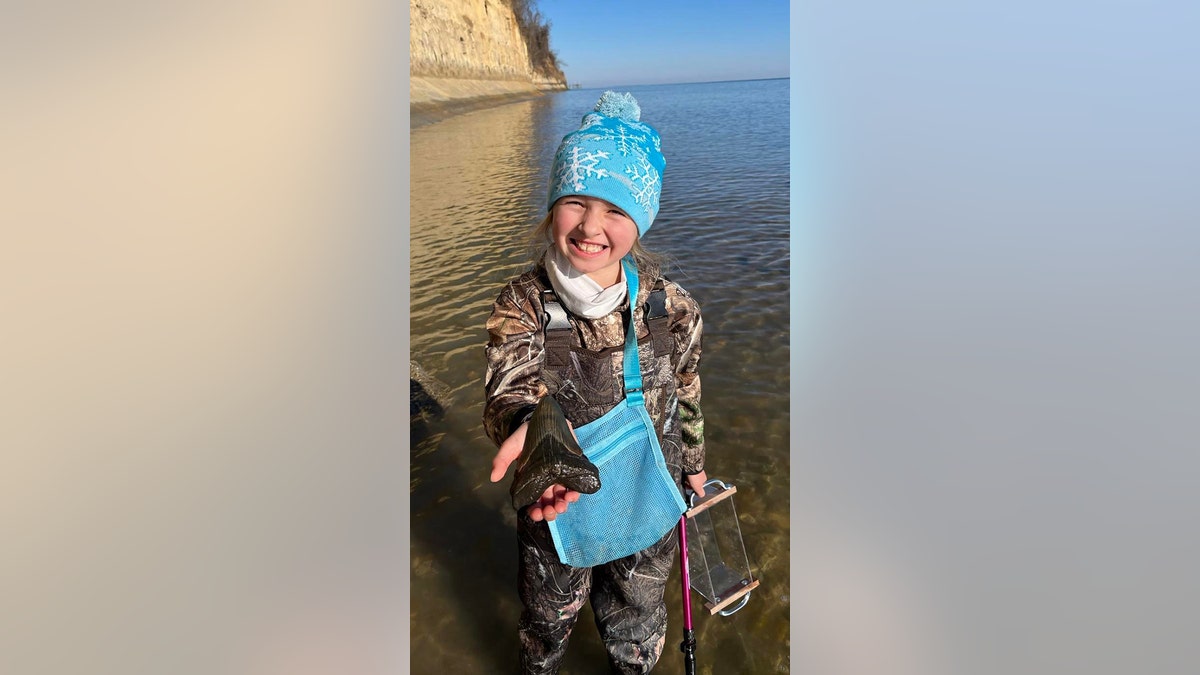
x=433, y=99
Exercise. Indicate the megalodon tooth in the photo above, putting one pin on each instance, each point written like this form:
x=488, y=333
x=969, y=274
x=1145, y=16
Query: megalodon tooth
x=550, y=456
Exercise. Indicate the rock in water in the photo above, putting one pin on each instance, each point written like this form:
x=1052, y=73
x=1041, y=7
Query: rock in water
x=551, y=455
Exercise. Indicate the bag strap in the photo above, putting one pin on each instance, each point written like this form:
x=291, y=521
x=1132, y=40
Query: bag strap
x=631, y=367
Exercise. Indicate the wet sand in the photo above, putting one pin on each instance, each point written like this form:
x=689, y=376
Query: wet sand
x=436, y=99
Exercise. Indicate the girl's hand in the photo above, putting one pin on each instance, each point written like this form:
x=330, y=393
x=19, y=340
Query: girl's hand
x=697, y=482
x=552, y=502
x=509, y=451
x=556, y=497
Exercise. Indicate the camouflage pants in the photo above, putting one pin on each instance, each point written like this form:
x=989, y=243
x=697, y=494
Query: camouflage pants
x=626, y=597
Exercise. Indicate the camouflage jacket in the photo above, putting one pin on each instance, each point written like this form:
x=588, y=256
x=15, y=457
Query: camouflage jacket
x=586, y=378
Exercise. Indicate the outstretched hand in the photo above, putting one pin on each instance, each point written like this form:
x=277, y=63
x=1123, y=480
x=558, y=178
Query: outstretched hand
x=509, y=451
x=552, y=502
x=556, y=497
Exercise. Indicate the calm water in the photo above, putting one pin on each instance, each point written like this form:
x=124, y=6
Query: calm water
x=478, y=184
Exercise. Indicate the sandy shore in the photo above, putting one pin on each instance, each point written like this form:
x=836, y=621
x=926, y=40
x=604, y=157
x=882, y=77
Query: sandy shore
x=433, y=99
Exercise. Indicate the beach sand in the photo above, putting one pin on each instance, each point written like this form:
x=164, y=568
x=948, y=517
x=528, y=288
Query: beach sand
x=434, y=99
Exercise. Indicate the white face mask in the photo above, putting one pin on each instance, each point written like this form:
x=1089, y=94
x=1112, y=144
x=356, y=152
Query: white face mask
x=579, y=292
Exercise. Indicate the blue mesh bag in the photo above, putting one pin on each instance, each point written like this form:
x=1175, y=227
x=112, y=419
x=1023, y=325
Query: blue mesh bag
x=638, y=501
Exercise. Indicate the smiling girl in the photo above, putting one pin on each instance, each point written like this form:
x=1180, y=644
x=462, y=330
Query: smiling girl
x=595, y=325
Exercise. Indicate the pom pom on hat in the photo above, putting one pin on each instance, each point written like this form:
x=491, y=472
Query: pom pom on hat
x=621, y=106
x=614, y=156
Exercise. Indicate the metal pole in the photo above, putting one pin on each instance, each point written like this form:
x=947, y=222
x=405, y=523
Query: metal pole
x=688, y=646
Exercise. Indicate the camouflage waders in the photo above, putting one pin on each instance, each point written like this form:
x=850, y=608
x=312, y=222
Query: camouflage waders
x=626, y=596
x=581, y=368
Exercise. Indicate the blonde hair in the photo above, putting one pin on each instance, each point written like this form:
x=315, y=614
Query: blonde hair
x=540, y=241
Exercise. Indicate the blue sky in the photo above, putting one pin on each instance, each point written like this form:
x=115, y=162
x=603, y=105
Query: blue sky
x=621, y=42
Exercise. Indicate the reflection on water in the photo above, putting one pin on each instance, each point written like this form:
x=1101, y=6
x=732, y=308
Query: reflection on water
x=478, y=184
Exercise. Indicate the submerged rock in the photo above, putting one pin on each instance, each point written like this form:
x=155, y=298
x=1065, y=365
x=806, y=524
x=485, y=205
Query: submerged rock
x=427, y=396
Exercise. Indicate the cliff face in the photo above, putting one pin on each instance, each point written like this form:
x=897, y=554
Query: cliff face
x=458, y=47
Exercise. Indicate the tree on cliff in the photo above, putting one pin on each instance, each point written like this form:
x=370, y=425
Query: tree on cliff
x=535, y=30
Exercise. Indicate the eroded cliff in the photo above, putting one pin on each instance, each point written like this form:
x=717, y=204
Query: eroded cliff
x=464, y=49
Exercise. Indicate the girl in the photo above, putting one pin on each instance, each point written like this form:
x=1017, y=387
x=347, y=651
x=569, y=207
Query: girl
x=625, y=375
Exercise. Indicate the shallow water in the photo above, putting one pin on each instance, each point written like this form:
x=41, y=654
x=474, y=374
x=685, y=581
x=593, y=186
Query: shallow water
x=478, y=184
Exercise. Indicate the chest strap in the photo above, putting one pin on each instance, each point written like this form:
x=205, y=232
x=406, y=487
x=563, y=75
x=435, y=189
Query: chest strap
x=555, y=318
x=561, y=336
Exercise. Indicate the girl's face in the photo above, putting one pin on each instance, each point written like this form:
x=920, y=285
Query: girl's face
x=594, y=235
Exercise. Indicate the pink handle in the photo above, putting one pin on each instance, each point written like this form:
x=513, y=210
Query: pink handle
x=683, y=568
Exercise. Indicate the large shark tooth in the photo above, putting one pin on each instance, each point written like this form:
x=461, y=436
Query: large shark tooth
x=551, y=455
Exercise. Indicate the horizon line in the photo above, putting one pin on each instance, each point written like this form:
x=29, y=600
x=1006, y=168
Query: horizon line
x=667, y=84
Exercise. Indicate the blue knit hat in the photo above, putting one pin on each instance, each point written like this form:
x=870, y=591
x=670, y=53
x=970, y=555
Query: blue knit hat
x=613, y=156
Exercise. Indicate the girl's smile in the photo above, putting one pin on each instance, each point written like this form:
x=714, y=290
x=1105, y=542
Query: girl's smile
x=588, y=248
x=594, y=235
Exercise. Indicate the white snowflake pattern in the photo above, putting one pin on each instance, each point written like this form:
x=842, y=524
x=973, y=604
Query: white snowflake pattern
x=645, y=181
x=580, y=165
x=627, y=143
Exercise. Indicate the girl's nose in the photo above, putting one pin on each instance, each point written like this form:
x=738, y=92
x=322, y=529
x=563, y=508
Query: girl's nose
x=589, y=224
